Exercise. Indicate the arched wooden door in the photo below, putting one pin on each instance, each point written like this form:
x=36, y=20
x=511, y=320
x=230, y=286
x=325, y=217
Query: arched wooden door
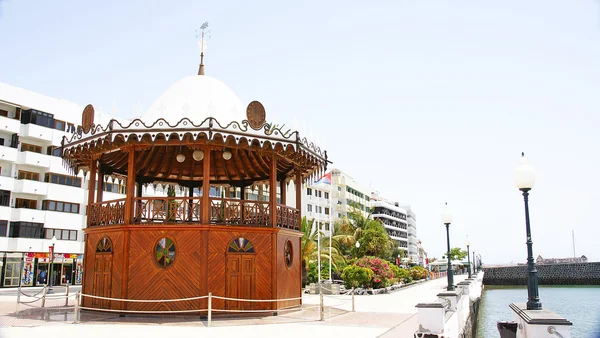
x=240, y=274
x=102, y=273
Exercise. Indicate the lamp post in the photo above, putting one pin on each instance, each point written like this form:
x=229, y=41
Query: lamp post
x=468, y=257
x=447, y=219
x=474, y=263
x=53, y=241
x=524, y=179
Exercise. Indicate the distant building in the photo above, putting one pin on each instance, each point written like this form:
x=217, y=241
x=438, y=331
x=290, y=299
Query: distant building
x=541, y=260
x=394, y=220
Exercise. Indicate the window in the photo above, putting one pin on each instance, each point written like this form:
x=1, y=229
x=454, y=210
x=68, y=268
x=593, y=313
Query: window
x=37, y=117
x=318, y=193
x=326, y=211
x=309, y=191
x=319, y=209
x=26, y=230
x=165, y=251
x=59, y=125
x=3, y=113
x=309, y=208
x=60, y=206
x=12, y=271
x=3, y=228
x=326, y=195
x=4, y=198
x=62, y=234
x=28, y=175
x=115, y=187
x=25, y=203
x=31, y=147
x=63, y=180
x=53, y=151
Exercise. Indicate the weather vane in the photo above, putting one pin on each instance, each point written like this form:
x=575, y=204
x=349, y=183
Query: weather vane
x=200, y=34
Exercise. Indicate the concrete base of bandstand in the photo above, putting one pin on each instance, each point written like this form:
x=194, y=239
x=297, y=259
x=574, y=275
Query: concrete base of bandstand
x=385, y=315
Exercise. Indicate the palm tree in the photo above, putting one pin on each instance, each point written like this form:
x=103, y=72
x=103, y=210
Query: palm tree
x=309, y=245
x=310, y=252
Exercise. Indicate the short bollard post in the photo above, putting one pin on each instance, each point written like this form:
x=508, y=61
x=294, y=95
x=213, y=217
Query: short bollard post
x=67, y=297
x=76, y=319
x=321, y=307
x=352, y=299
x=44, y=296
x=209, y=308
x=19, y=299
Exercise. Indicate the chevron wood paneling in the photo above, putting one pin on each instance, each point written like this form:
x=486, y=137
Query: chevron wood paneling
x=199, y=266
x=289, y=279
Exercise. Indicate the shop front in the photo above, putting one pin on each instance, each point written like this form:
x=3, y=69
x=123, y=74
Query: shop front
x=34, y=269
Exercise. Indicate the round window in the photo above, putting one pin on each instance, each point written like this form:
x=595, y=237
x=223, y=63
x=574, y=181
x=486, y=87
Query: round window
x=165, y=252
x=288, y=253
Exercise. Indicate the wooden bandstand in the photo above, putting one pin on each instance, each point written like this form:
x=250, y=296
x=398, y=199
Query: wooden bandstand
x=188, y=244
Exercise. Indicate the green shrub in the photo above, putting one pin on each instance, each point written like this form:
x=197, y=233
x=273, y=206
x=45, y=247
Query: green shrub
x=355, y=276
x=418, y=272
x=402, y=275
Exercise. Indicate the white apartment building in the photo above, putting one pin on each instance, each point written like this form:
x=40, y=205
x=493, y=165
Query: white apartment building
x=39, y=198
x=413, y=248
x=394, y=220
x=332, y=197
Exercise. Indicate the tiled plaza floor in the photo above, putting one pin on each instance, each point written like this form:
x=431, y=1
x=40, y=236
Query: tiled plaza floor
x=386, y=315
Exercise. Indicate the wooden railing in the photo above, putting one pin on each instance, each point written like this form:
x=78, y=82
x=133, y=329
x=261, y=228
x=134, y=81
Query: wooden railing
x=240, y=212
x=166, y=210
x=107, y=213
x=178, y=210
x=288, y=217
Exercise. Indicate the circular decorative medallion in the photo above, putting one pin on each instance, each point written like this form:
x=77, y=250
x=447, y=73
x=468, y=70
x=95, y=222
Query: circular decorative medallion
x=288, y=253
x=255, y=114
x=87, y=118
x=165, y=252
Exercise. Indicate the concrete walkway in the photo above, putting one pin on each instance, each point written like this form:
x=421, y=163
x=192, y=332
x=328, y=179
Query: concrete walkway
x=386, y=315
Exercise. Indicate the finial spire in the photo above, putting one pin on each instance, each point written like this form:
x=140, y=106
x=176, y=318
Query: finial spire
x=202, y=44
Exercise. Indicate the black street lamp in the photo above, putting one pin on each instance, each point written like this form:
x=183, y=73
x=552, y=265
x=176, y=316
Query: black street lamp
x=524, y=179
x=468, y=257
x=447, y=219
x=474, y=263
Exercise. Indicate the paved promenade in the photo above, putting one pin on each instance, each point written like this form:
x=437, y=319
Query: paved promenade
x=387, y=315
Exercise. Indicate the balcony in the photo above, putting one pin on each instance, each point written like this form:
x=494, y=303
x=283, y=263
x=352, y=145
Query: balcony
x=65, y=193
x=33, y=159
x=5, y=212
x=10, y=125
x=63, y=220
x=27, y=215
x=7, y=183
x=186, y=210
x=31, y=187
x=37, y=132
x=8, y=154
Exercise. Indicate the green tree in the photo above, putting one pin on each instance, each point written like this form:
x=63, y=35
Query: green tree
x=310, y=253
x=355, y=276
x=457, y=252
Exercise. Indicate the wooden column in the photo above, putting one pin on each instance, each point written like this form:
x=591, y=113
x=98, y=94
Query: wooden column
x=274, y=248
x=91, y=188
x=298, y=182
x=205, y=211
x=130, y=192
x=273, y=190
x=283, y=191
x=190, y=205
x=100, y=192
x=138, y=189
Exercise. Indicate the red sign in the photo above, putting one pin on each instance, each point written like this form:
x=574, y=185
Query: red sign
x=51, y=250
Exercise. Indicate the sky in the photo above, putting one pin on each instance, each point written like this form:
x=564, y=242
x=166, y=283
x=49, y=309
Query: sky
x=426, y=102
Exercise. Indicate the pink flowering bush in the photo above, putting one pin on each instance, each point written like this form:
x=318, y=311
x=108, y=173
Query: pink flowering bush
x=382, y=274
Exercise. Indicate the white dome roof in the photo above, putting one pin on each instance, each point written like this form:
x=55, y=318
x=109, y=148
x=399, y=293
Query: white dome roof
x=196, y=97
